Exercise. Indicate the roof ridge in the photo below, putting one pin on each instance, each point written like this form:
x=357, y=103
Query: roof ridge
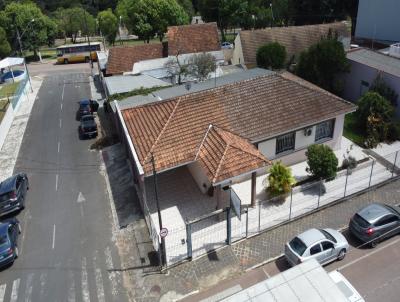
x=220, y=163
x=161, y=132
x=204, y=138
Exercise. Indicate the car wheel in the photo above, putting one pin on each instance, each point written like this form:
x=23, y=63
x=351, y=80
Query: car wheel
x=342, y=254
x=65, y=61
x=16, y=252
x=373, y=243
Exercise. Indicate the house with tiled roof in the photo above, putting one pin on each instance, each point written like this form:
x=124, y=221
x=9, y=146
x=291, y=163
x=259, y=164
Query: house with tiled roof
x=295, y=39
x=229, y=133
x=183, y=39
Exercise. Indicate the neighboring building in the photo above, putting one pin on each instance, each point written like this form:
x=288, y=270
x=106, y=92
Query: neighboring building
x=378, y=21
x=365, y=65
x=295, y=39
x=230, y=133
x=197, y=20
x=185, y=39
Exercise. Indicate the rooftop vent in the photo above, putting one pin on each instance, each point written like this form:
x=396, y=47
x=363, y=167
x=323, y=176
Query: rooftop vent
x=395, y=50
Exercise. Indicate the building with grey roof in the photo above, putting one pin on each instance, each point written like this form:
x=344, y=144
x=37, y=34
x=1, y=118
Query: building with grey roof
x=365, y=65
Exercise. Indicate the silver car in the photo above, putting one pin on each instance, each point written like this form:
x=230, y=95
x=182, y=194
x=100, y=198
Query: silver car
x=324, y=245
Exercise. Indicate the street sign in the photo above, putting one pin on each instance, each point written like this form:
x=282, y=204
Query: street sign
x=163, y=232
x=236, y=204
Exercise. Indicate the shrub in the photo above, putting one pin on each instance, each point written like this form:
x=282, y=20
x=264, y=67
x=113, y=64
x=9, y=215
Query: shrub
x=349, y=163
x=280, y=179
x=271, y=55
x=393, y=133
x=322, y=162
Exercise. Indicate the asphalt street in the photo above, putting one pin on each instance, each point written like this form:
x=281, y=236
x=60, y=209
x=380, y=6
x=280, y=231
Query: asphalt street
x=67, y=248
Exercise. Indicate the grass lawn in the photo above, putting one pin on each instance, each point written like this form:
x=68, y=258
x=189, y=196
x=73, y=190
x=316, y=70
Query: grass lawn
x=352, y=131
x=3, y=108
x=8, y=89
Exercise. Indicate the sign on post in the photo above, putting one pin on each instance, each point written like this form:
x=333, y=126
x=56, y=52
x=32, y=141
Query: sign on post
x=163, y=232
x=236, y=204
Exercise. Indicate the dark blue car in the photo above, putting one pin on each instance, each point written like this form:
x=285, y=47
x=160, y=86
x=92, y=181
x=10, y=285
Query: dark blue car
x=9, y=232
x=87, y=107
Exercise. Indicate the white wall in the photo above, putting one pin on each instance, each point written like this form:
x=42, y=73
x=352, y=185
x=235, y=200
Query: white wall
x=199, y=176
x=237, y=56
x=5, y=124
x=268, y=147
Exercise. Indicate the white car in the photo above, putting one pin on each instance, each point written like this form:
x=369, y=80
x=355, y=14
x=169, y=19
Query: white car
x=226, y=45
x=323, y=245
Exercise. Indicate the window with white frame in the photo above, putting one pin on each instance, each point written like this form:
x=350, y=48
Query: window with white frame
x=324, y=130
x=285, y=142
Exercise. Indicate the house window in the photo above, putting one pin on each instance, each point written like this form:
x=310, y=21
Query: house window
x=285, y=142
x=324, y=130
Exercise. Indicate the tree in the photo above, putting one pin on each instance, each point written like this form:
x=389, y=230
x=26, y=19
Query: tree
x=108, y=24
x=374, y=114
x=280, y=180
x=322, y=63
x=5, y=48
x=321, y=161
x=177, y=68
x=73, y=20
x=146, y=18
x=201, y=65
x=187, y=6
x=271, y=56
x=380, y=86
x=33, y=33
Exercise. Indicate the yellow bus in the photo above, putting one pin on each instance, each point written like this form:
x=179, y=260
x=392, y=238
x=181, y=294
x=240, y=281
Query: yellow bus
x=74, y=53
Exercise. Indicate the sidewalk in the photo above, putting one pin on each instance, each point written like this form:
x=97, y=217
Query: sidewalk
x=12, y=143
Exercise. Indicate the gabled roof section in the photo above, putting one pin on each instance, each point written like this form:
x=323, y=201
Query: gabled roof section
x=193, y=38
x=254, y=109
x=224, y=155
x=121, y=59
x=295, y=38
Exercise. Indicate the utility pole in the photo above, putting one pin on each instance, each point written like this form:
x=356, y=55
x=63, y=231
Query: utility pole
x=162, y=246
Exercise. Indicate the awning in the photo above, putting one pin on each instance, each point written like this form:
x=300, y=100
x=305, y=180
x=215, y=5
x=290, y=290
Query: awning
x=11, y=61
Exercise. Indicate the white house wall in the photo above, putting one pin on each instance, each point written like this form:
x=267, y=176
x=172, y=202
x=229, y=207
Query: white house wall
x=199, y=176
x=237, y=56
x=268, y=147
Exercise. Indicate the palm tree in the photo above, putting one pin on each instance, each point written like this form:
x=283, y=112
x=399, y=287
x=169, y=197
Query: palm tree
x=280, y=180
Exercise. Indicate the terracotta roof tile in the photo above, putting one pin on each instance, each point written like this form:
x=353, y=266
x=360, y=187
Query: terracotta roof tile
x=295, y=38
x=254, y=109
x=121, y=59
x=224, y=155
x=193, y=38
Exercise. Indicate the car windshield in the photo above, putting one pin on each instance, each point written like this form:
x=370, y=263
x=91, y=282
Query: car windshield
x=328, y=236
x=360, y=221
x=298, y=246
x=87, y=118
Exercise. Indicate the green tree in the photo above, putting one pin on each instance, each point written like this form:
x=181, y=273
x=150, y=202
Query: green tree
x=187, y=6
x=380, y=86
x=280, y=180
x=108, y=24
x=322, y=63
x=321, y=161
x=374, y=114
x=35, y=28
x=201, y=65
x=146, y=18
x=5, y=48
x=271, y=55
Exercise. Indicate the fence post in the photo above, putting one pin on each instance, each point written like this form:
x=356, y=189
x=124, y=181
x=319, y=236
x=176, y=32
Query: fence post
x=370, y=175
x=345, y=185
x=247, y=222
x=259, y=216
x=228, y=226
x=319, y=191
x=291, y=200
x=394, y=163
x=189, y=240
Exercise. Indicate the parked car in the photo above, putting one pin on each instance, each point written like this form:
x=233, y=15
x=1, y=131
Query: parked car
x=375, y=222
x=324, y=245
x=9, y=232
x=13, y=193
x=226, y=45
x=87, y=107
x=88, y=127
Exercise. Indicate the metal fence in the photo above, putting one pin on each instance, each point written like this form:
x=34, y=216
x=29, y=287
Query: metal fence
x=21, y=89
x=221, y=227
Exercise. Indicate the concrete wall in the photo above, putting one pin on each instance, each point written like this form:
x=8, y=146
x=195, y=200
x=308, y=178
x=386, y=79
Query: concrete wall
x=268, y=147
x=199, y=176
x=359, y=72
x=5, y=124
x=378, y=20
x=237, y=56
